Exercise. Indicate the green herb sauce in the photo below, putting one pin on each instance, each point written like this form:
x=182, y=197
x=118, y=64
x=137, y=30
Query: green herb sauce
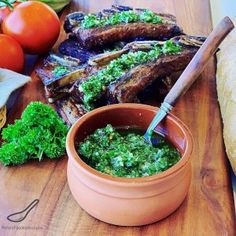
x=147, y=16
x=126, y=154
x=96, y=84
x=60, y=71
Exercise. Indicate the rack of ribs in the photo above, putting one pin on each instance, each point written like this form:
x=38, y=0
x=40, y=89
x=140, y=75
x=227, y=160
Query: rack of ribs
x=102, y=35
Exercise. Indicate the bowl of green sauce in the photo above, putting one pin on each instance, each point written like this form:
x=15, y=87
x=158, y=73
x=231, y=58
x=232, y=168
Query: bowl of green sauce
x=119, y=178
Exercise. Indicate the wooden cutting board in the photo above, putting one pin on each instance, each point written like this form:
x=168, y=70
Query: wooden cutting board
x=207, y=210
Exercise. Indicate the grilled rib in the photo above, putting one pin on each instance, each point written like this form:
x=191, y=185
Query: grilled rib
x=103, y=35
x=127, y=87
x=69, y=110
x=58, y=86
x=53, y=82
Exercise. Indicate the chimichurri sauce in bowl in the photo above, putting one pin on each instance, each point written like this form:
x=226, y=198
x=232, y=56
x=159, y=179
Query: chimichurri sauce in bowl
x=125, y=153
x=119, y=178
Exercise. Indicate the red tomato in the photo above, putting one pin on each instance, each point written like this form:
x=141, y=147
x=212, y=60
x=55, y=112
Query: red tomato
x=11, y=54
x=34, y=25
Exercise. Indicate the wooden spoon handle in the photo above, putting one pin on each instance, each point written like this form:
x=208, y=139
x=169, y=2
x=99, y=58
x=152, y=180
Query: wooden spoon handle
x=199, y=61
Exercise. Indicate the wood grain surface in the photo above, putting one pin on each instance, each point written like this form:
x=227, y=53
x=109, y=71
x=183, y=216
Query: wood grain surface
x=208, y=208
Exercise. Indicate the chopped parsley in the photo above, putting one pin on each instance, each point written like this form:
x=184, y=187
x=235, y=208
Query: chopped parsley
x=126, y=154
x=60, y=71
x=93, y=87
x=147, y=16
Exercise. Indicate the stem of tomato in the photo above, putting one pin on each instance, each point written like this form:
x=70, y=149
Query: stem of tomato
x=8, y=4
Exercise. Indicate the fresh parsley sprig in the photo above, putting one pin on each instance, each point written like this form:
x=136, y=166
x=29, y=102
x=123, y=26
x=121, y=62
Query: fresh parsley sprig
x=39, y=133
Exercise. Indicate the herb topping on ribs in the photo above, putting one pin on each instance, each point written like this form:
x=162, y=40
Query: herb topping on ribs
x=120, y=23
x=124, y=77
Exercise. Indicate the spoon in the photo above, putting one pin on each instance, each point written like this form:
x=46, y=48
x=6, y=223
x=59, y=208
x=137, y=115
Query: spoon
x=190, y=74
x=21, y=215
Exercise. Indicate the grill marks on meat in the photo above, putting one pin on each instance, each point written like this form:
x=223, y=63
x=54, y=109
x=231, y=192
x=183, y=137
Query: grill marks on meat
x=99, y=36
x=126, y=88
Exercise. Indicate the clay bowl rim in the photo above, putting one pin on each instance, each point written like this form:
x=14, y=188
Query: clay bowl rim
x=72, y=153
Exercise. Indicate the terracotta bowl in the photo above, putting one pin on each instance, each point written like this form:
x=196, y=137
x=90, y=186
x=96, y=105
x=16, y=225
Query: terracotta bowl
x=129, y=201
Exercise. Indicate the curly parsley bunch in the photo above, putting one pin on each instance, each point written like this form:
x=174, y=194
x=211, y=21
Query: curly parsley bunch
x=40, y=132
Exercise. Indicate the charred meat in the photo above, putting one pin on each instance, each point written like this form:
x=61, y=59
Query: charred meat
x=124, y=77
x=120, y=23
x=118, y=55
x=71, y=47
x=70, y=110
x=58, y=72
x=128, y=86
x=111, y=75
